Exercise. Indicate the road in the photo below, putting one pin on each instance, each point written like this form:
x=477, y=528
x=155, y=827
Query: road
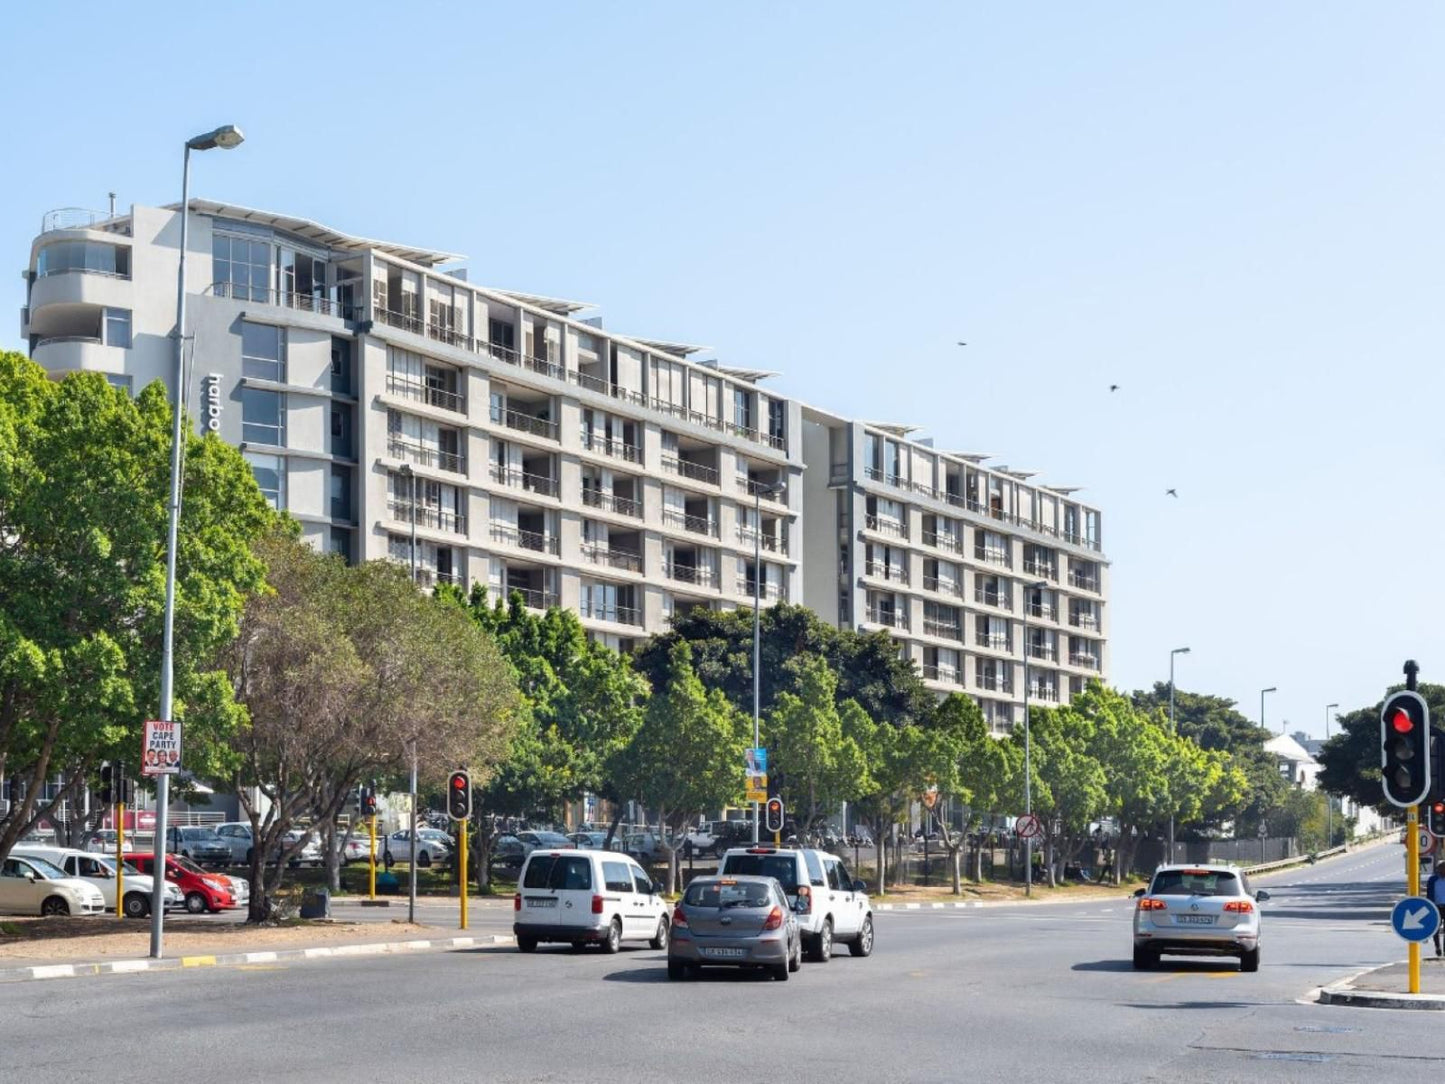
x=1042, y=991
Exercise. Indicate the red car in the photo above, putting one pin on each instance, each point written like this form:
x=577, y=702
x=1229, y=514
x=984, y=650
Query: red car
x=204, y=891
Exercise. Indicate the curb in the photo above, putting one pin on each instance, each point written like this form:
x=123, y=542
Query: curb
x=1378, y=999
x=237, y=959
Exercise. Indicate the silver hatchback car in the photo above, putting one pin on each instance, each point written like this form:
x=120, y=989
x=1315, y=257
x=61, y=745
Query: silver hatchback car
x=1206, y=910
x=734, y=922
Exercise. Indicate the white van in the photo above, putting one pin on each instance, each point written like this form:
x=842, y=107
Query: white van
x=99, y=870
x=587, y=897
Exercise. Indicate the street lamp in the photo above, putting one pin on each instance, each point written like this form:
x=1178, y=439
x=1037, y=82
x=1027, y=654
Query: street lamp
x=1329, y=798
x=759, y=489
x=1173, y=730
x=410, y=475
x=1271, y=689
x=225, y=137
x=1038, y=585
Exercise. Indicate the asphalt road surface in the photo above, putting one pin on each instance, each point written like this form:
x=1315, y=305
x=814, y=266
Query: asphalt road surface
x=1020, y=992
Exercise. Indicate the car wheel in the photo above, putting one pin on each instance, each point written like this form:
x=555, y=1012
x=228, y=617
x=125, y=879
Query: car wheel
x=526, y=944
x=1249, y=960
x=862, y=945
x=136, y=905
x=822, y=947
x=423, y=860
x=614, y=937
x=677, y=970
x=195, y=903
x=795, y=961
x=781, y=972
x=1143, y=958
x=55, y=907
x=660, y=941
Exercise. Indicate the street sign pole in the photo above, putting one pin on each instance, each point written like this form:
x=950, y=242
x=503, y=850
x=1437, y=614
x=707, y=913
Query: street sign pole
x=1412, y=850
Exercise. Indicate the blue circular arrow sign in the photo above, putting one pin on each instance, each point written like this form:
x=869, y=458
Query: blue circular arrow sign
x=1415, y=919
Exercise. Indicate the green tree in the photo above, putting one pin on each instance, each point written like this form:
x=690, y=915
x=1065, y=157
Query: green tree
x=1069, y=787
x=84, y=483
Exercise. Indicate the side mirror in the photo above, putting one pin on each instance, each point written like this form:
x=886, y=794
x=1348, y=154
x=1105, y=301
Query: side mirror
x=30, y=877
x=860, y=886
x=1138, y=892
x=658, y=888
x=1262, y=895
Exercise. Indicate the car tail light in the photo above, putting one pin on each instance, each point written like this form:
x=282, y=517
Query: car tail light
x=1147, y=904
x=679, y=916
x=775, y=919
x=516, y=901
x=596, y=905
x=1239, y=907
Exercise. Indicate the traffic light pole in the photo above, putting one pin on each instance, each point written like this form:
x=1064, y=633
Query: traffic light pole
x=120, y=855
x=371, y=831
x=1412, y=859
x=462, y=855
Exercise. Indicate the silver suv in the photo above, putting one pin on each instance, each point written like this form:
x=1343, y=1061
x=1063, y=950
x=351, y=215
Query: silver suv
x=1206, y=910
x=830, y=905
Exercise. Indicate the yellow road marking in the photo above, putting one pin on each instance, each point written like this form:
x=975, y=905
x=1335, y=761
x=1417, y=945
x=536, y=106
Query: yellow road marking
x=198, y=961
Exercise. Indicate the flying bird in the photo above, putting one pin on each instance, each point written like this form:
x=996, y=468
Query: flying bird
x=1171, y=493
x=1113, y=387
x=963, y=344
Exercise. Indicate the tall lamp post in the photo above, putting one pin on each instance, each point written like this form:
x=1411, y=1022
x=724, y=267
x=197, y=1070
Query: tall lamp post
x=758, y=488
x=410, y=476
x=1173, y=729
x=1329, y=798
x=225, y=138
x=1037, y=585
x=1271, y=689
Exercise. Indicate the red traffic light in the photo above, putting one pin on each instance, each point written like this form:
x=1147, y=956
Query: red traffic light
x=459, y=782
x=1401, y=721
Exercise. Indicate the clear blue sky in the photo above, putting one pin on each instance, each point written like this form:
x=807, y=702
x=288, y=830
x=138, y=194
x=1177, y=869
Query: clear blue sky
x=1232, y=210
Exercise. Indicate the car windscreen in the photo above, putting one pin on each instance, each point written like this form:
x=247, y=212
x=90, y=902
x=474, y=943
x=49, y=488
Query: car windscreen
x=783, y=867
x=186, y=864
x=1195, y=882
x=45, y=868
x=725, y=894
x=558, y=872
x=206, y=835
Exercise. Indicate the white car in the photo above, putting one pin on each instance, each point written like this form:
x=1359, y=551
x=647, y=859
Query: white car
x=240, y=888
x=237, y=836
x=32, y=886
x=1206, y=910
x=587, y=897
x=830, y=905
x=100, y=871
x=433, y=845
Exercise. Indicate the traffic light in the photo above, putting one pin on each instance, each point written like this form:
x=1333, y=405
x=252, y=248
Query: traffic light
x=1435, y=819
x=107, y=785
x=459, y=795
x=1405, y=748
x=368, y=802
x=773, y=818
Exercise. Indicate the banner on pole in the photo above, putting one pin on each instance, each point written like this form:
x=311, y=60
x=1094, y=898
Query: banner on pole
x=161, y=748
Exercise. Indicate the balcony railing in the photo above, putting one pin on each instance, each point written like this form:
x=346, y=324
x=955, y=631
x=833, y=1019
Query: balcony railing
x=703, y=577
x=747, y=585
x=950, y=630
x=993, y=598
x=699, y=472
x=763, y=490
x=1046, y=569
x=893, y=619
x=948, y=674
x=881, y=571
x=997, y=683
x=1042, y=610
x=1044, y=692
x=425, y=393
x=599, y=554
x=425, y=455
x=949, y=542
x=1083, y=620
x=622, y=615
x=994, y=641
x=623, y=506
x=53, y=339
x=431, y=516
x=991, y=556
x=943, y=587
x=288, y=299
x=768, y=542
x=527, y=540
x=430, y=577
x=616, y=448
x=401, y=320
x=892, y=528
x=525, y=423
x=696, y=524
x=1083, y=580
x=544, y=366
x=1084, y=659
x=533, y=598
x=1043, y=651
x=520, y=479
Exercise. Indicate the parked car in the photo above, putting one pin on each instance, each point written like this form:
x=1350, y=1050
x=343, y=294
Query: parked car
x=1206, y=910
x=309, y=853
x=101, y=841
x=204, y=891
x=240, y=887
x=699, y=840
x=587, y=897
x=33, y=886
x=509, y=852
x=433, y=846
x=734, y=922
x=550, y=840
x=645, y=846
x=358, y=848
x=830, y=906
x=237, y=837
x=201, y=845
x=100, y=871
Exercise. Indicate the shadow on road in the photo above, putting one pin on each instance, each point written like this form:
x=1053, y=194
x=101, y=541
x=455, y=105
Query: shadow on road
x=1172, y=1005
x=1202, y=967
x=708, y=974
x=1104, y=965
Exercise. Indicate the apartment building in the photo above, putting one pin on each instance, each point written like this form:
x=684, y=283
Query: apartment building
x=973, y=569
x=375, y=391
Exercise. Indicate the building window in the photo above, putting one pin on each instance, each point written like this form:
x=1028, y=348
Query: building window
x=263, y=352
x=341, y=431
x=115, y=380
x=340, y=543
x=240, y=268
x=340, y=366
x=263, y=417
x=91, y=257
x=341, y=493
x=777, y=420
x=270, y=474
x=117, y=328
x=742, y=409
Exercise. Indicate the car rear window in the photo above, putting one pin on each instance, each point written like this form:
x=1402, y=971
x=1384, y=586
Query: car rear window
x=722, y=894
x=1195, y=882
x=549, y=871
x=783, y=867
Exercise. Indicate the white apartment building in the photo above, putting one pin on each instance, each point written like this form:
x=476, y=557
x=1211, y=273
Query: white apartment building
x=971, y=568
x=370, y=388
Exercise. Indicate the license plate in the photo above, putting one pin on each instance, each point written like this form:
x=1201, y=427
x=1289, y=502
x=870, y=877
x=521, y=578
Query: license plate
x=542, y=903
x=724, y=953
x=1194, y=920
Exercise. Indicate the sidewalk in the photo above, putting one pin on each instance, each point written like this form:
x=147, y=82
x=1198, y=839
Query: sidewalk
x=1388, y=987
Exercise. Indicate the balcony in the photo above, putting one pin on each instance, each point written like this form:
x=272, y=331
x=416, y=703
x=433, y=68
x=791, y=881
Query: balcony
x=942, y=587
x=948, y=630
x=1084, y=581
x=543, y=367
x=519, y=479
x=424, y=455
x=993, y=598
x=893, y=619
x=947, y=674
x=748, y=586
x=622, y=506
x=748, y=433
x=889, y=527
x=1044, y=611
x=761, y=540
x=1043, y=569
x=527, y=540
x=698, y=472
x=994, y=642
x=401, y=321
x=1049, y=693
x=425, y=393
x=289, y=299
x=1084, y=621
x=622, y=615
x=996, y=683
x=430, y=577
x=599, y=554
x=429, y=516
x=1084, y=659
x=879, y=570
x=525, y=423
x=1042, y=651
x=615, y=448
x=763, y=490
x=696, y=524
x=949, y=542
x=694, y=574
x=992, y=556
x=534, y=599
